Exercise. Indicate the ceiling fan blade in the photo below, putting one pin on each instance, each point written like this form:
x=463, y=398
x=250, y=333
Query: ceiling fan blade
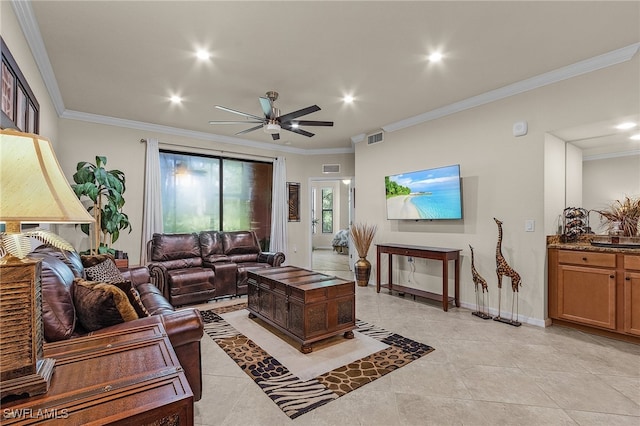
x=299, y=113
x=255, y=117
x=312, y=123
x=275, y=136
x=267, y=106
x=249, y=130
x=235, y=122
x=297, y=130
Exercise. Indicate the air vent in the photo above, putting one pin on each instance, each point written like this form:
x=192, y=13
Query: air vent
x=331, y=168
x=375, y=138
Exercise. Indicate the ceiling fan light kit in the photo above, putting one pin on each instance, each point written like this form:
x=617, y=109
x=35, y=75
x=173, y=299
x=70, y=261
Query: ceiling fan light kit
x=271, y=128
x=273, y=122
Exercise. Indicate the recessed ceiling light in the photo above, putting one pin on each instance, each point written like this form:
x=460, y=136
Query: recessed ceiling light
x=626, y=125
x=635, y=137
x=435, y=57
x=203, y=54
x=347, y=99
x=176, y=99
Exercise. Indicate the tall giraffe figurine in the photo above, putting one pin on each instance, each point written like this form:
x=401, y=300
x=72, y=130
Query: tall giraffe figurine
x=504, y=270
x=479, y=281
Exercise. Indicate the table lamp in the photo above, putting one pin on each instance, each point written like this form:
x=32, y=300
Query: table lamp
x=33, y=189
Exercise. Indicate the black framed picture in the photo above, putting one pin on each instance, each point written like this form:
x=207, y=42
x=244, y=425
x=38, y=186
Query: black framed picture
x=293, y=188
x=19, y=108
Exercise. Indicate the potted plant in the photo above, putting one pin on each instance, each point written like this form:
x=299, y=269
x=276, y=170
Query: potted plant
x=622, y=217
x=104, y=188
x=362, y=236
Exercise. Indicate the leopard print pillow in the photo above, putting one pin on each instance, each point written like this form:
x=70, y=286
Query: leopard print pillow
x=106, y=272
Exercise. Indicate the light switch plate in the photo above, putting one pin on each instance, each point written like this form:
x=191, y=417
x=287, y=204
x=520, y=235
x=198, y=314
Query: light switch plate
x=529, y=225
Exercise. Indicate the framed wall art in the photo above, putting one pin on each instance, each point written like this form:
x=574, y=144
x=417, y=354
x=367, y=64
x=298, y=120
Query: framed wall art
x=293, y=188
x=19, y=108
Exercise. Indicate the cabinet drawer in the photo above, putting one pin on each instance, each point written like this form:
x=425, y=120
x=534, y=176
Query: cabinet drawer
x=587, y=258
x=632, y=262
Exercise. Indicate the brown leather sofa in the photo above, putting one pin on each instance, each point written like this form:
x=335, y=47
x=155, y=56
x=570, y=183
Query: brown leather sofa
x=184, y=327
x=193, y=268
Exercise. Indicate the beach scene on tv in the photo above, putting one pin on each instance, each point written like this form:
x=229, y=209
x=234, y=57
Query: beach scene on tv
x=425, y=194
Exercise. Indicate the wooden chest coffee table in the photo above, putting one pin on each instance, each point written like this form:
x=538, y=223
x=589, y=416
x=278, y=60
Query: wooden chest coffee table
x=307, y=306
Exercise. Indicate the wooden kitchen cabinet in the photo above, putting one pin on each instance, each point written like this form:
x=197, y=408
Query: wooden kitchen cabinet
x=632, y=295
x=595, y=290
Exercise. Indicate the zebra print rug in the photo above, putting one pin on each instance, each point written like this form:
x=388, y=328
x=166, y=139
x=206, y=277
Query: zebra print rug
x=293, y=395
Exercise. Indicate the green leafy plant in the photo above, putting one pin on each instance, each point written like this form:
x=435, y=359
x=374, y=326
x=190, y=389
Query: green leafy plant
x=104, y=188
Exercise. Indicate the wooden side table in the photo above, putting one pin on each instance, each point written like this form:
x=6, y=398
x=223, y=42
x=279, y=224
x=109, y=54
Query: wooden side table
x=111, y=378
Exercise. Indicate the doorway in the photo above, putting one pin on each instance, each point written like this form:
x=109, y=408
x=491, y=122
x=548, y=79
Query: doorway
x=331, y=213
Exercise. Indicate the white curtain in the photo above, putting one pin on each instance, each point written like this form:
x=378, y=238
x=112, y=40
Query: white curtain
x=279, y=207
x=152, y=208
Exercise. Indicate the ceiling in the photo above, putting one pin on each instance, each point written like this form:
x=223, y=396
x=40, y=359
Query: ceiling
x=124, y=59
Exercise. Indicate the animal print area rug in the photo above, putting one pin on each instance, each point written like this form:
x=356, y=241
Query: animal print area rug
x=293, y=395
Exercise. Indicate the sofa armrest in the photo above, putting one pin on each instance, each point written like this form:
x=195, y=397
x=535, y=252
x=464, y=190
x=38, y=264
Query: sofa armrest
x=272, y=258
x=137, y=275
x=159, y=277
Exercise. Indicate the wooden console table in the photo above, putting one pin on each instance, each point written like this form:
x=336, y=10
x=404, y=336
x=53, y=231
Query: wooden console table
x=111, y=378
x=435, y=253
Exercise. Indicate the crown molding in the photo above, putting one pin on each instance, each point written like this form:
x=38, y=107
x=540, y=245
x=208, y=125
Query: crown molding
x=31, y=31
x=583, y=67
x=176, y=131
x=611, y=155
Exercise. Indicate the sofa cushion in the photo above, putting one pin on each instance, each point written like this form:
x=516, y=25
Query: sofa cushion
x=244, y=258
x=153, y=300
x=134, y=298
x=106, y=272
x=58, y=311
x=100, y=305
x=175, y=246
x=70, y=258
x=240, y=242
x=211, y=247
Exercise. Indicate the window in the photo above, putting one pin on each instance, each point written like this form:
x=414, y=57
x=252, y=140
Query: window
x=201, y=193
x=327, y=210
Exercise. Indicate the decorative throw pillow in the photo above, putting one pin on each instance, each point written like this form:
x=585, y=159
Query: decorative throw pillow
x=100, y=305
x=134, y=298
x=106, y=272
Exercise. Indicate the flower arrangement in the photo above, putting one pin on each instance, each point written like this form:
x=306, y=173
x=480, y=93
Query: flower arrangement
x=625, y=214
x=362, y=235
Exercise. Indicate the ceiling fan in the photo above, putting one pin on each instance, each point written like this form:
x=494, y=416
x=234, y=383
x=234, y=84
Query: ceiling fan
x=273, y=122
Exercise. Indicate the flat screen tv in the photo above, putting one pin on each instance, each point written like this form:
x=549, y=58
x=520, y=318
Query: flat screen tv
x=425, y=194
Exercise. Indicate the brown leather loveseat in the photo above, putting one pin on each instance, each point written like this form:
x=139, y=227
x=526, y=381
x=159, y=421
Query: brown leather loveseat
x=196, y=267
x=62, y=272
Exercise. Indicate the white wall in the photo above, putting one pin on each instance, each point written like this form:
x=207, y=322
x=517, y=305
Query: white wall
x=555, y=166
x=503, y=177
x=573, y=179
x=607, y=180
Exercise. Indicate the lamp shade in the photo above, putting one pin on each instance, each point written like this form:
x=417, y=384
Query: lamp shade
x=33, y=188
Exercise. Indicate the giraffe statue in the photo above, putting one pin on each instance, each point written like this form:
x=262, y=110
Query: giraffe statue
x=479, y=281
x=503, y=269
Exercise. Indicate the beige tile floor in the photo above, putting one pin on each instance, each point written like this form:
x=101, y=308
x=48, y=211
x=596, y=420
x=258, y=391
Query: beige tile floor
x=481, y=373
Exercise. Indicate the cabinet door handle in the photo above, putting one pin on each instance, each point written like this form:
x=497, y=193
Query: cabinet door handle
x=628, y=278
x=584, y=258
x=612, y=276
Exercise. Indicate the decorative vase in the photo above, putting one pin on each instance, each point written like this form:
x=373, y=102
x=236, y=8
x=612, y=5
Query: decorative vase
x=363, y=271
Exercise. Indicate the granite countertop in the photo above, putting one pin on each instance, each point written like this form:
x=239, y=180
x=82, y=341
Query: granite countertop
x=584, y=244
